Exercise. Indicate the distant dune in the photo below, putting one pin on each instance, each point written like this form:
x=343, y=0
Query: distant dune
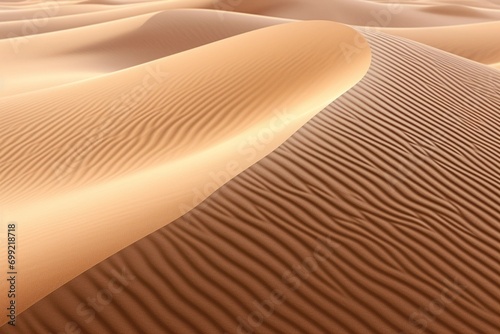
x=95, y=50
x=382, y=204
x=478, y=42
x=49, y=16
x=264, y=166
x=389, y=13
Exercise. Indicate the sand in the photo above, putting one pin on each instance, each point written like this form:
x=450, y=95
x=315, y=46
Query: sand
x=390, y=13
x=80, y=163
x=379, y=208
x=469, y=29
x=225, y=167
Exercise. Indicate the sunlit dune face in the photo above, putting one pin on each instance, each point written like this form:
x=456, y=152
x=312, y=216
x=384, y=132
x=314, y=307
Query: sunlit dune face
x=151, y=141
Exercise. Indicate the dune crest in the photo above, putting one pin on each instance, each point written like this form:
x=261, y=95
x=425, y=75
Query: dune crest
x=478, y=42
x=80, y=163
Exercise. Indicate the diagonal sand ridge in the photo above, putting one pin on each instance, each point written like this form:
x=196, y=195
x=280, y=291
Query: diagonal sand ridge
x=79, y=164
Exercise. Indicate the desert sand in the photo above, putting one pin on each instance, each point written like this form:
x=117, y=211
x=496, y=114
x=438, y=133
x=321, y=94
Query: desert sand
x=252, y=166
x=469, y=29
x=132, y=149
x=478, y=42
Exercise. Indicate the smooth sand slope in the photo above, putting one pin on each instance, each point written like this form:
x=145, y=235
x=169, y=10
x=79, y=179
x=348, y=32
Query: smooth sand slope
x=401, y=13
x=469, y=29
x=380, y=215
x=90, y=167
x=86, y=52
x=90, y=50
x=479, y=42
x=21, y=23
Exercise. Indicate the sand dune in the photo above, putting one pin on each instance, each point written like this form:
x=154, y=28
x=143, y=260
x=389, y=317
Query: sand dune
x=466, y=28
x=372, y=13
x=80, y=163
x=382, y=206
x=378, y=215
x=478, y=42
x=100, y=49
x=49, y=16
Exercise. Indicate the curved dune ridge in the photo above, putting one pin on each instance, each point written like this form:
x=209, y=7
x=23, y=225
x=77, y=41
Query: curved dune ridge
x=56, y=15
x=112, y=46
x=125, y=153
x=469, y=29
x=380, y=215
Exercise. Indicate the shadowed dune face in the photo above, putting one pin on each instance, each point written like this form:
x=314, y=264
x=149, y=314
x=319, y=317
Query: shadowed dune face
x=80, y=164
x=380, y=215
